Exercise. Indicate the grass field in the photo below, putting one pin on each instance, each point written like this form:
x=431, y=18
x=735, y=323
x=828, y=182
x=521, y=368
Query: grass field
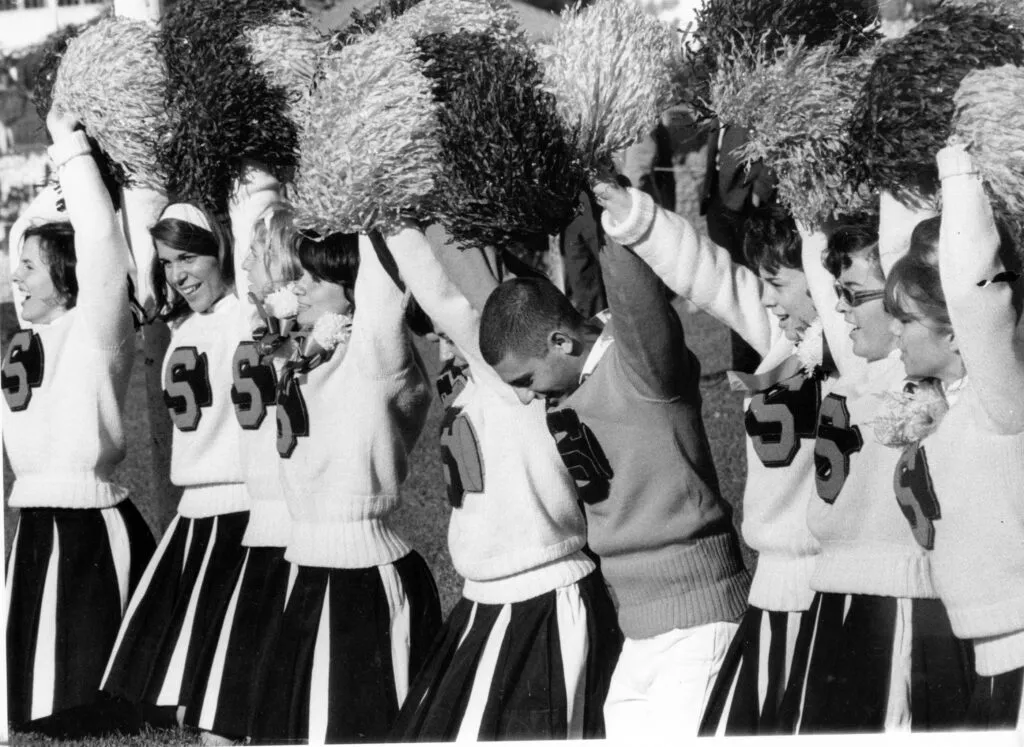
x=423, y=518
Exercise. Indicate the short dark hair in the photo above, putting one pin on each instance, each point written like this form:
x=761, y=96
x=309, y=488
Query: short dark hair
x=183, y=236
x=854, y=235
x=334, y=258
x=771, y=240
x=57, y=251
x=519, y=315
x=915, y=276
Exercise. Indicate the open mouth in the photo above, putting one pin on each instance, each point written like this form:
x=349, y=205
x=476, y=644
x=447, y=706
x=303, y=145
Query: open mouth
x=188, y=291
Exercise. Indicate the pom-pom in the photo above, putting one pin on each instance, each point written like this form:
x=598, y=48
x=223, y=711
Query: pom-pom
x=363, y=24
x=286, y=52
x=113, y=77
x=990, y=122
x=222, y=109
x=911, y=415
x=1012, y=10
x=493, y=17
x=796, y=105
x=902, y=117
x=612, y=69
x=509, y=167
x=52, y=52
x=726, y=31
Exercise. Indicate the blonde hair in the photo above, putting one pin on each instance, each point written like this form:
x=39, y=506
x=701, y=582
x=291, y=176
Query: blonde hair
x=274, y=244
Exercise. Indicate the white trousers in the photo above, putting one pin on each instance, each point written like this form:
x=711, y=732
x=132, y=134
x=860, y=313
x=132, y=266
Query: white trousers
x=661, y=685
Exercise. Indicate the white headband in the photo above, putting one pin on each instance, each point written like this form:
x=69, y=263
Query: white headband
x=188, y=213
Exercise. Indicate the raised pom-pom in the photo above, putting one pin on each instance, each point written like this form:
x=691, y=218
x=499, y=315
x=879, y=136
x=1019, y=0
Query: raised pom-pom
x=989, y=120
x=113, y=77
x=1012, y=10
x=902, y=117
x=510, y=169
x=796, y=106
x=50, y=56
x=365, y=23
x=222, y=109
x=613, y=69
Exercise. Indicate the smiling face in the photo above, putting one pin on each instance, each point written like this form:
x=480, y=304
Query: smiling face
x=319, y=297
x=42, y=304
x=195, y=277
x=926, y=348
x=785, y=294
x=872, y=331
x=551, y=376
x=256, y=272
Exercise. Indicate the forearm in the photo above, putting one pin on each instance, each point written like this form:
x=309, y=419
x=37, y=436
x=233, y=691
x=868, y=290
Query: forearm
x=694, y=267
x=379, y=331
x=982, y=312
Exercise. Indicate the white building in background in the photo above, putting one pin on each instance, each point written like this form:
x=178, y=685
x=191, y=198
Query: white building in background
x=25, y=23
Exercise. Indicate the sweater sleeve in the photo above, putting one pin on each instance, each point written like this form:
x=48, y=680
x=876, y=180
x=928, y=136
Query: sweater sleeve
x=101, y=250
x=648, y=332
x=821, y=286
x=140, y=210
x=379, y=334
x=695, y=268
x=253, y=193
x=983, y=314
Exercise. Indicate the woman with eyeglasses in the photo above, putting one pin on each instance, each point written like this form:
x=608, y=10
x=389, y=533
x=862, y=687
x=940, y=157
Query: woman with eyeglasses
x=956, y=299
x=883, y=656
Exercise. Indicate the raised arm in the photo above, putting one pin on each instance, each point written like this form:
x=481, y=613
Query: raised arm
x=380, y=337
x=982, y=311
x=103, y=260
x=253, y=193
x=690, y=264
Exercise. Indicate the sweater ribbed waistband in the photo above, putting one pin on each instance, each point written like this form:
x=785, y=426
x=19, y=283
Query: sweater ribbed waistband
x=782, y=583
x=880, y=569
x=270, y=524
x=999, y=654
x=344, y=544
x=678, y=586
x=65, y=490
x=532, y=583
x=201, y=501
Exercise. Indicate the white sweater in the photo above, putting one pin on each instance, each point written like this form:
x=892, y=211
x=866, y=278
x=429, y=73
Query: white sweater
x=516, y=528
x=346, y=432
x=968, y=475
x=197, y=390
x=64, y=383
x=780, y=479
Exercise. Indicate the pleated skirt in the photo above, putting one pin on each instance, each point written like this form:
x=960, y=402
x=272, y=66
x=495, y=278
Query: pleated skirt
x=347, y=647
x=69, y=578
x=748, y=694
x=882, y=664
x=537, y=669
x=177, y=608
x=223, y=698
x=997, y=702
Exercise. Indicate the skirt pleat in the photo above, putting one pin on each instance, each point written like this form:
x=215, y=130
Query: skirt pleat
x=996, y=702
x=536, y=669
x=868, y=673
x=70, y=574
x=346, y=643
x=178, y=607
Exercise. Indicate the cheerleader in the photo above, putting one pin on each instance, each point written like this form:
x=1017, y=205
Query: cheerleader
x=773, y=311
x=363, y=608
x=185, y=590
x=958, y=479
x=221, y=703
x=883, y=656
x=81, y=545
x=528, y=651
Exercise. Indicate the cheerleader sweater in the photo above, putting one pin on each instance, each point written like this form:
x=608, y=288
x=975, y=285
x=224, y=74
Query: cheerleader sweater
x=197, y=376
x=962, y=487
x=64, y=383
x=779, y=421
x=632, y=437
x=345, y=431
x=516, y=529
x=254, y=381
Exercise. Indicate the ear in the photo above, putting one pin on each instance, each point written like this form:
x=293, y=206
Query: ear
x=558, y=339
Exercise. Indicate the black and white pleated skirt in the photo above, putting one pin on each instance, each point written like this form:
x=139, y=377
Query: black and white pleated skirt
x=349, y=644
x=537, y=669
x=997, y=702
x=69, y=578
x=747, y=698
x=177, y=607
x=223, y=698
x=883, y=664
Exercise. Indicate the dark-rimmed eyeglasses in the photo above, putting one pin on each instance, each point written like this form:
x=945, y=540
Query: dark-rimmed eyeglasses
x=854, y=298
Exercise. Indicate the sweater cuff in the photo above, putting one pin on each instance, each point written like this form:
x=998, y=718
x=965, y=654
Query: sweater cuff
x=62, y=151
x=636, y=224
x=953, y=160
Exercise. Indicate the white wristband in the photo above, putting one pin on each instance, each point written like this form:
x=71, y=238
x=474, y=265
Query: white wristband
x=74, y=145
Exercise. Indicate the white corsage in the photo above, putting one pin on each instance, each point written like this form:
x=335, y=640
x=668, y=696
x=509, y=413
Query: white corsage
x=909, y=416
x=282, y=303
x=332, y=331
x=811, y=348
